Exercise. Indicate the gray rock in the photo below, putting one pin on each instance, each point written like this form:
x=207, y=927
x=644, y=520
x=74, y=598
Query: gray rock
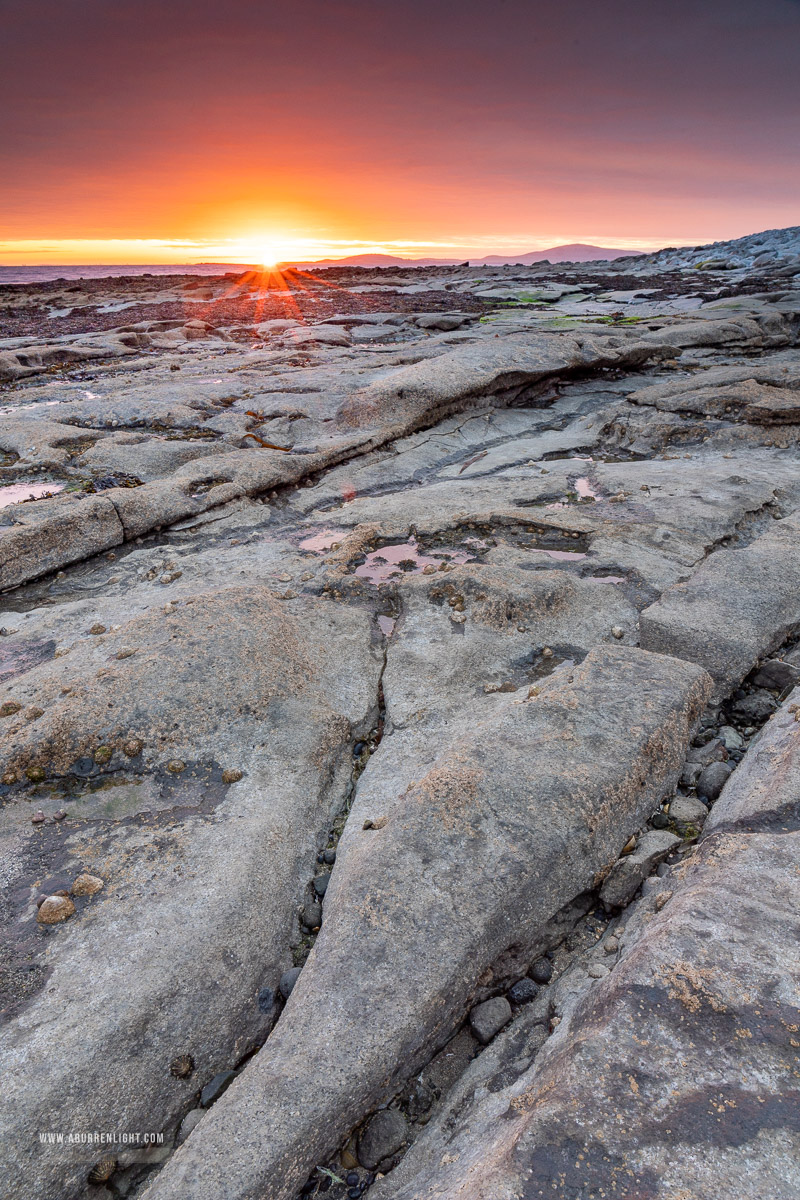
x=523, y=991
x=688, y=810
x=734, y=609
x=382, y=1136
x=730, y=738
x=542, y=971
x=288, y=980
x=487, y=1019
x=312, y=914
x=776, y=674
x=594, y=730
x=216, y=1087
x=626, y=876
x=713, y=779
x=189, y=1122
x=756, y=707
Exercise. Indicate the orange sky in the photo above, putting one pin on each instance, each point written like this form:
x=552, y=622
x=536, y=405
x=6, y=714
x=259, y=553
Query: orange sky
x=189, y=130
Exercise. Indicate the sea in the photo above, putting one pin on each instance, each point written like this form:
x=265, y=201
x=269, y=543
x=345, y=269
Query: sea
x=44, y=274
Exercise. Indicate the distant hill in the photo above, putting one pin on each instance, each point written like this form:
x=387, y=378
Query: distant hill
x=577, y=252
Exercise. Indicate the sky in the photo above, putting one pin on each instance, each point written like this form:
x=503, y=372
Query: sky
x=194, y=130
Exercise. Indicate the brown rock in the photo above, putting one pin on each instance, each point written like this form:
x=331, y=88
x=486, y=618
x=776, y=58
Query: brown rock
x=87, y=885
x=55, y=909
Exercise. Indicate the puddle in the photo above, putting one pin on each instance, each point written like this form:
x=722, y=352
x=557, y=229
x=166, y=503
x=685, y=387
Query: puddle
x=609, y=578
x=585, y=489
x=390, y=562
x=386, y=625
x=19, y=493
x=320, y=542
x=560, y=555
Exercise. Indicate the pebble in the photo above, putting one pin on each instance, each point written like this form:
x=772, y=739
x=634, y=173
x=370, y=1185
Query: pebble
x=97, y=629
x=189, y=1122
x=756, y=707
x=175, y=766
x=617, y=632
x=381, y=1137
x=54, y=909
x=266, y=999
x=597, y=971
x=312, y=914
x=487, y=1019
x=60, y=815
x=730, y=738
x=541, y=971
x=711, y=781
x=321, y=884
x=231, y=775
x=611, y=945
x=87, y=885
x=523, y=991
x=288, y=980
x=329, y=857
x=688, y=810
x=38, y=818
x=213, y=1090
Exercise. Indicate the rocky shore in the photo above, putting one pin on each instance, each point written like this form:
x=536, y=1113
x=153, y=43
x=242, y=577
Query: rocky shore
x=400, y=732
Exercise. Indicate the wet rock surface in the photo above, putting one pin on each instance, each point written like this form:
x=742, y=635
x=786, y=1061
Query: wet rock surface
x=398, y=789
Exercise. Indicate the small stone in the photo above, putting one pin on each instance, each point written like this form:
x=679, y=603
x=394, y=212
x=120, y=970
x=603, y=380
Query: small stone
x=329, y=857
x=321, y=884
x=776, y=674
x=132, y=747
x=627, y=874
x=55, y=909
x=312, y=914
x=688, y=810
x=189, y=1122
x=731, y=738
x=523, y=991
x=487, y=1019
x=182, y=1066
x=87, y=885
x=611, y=945
x=288, y=980
x=102, y=755
x=266, y=999
x=659, y=820
x=127, y=653
x=352, y=1179
x=38, y=818
x=33, y=713
x=175, y=766
x=381, y=1137
x=60, y=815
x=541, y=971
x=213, y=1090
x=756, y=707
x=97, y=629
x=597, y=971
x=9, y=708
x=617, y=631
x=711, y=781
x=547, y=652
x=231, y=775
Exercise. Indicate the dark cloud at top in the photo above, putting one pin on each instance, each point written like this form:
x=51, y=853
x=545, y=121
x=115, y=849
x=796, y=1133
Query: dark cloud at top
x=689, y=97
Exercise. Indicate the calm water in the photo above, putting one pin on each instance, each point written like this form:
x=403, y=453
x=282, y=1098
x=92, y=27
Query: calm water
x=71, y=273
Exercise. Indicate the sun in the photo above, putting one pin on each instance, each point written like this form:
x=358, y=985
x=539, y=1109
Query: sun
x=268, y=252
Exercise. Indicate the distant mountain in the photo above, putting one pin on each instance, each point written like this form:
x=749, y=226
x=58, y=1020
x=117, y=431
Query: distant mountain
x=577, y=252
x=377, y=260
